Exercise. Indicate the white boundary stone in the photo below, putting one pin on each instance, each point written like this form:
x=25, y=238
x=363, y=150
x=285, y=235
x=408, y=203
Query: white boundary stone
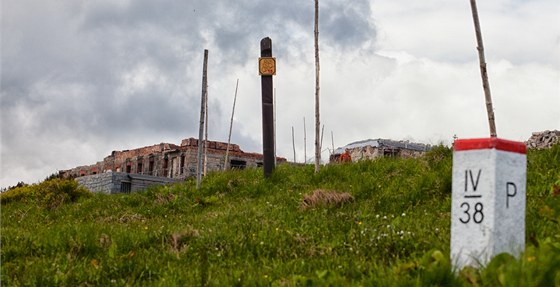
x=488, y=200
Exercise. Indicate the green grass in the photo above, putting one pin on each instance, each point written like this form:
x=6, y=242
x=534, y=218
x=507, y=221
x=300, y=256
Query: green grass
x=243, y=230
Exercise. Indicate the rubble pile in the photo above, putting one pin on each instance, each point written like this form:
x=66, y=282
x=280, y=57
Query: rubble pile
x=544, y=139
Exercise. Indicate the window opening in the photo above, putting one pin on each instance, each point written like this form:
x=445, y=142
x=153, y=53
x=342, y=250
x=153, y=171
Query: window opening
x=126, y=186
x=237, y=164
x=151, y=167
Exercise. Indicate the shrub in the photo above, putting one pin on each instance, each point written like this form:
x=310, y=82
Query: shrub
x=16, y=194
x=438, y=155
x=49, y=194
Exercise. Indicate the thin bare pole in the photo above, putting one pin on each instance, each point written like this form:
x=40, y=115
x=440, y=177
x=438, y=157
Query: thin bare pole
x=201, y=126
x=317, y=110
x=322, y=133
x=206, y=133
x=332, y=140
x=274, y=122
x=304, y=142
x=230, y=126
x=483, y=70
x=294, y=144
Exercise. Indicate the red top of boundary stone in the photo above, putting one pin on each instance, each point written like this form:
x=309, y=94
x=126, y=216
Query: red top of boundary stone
x=490, y=143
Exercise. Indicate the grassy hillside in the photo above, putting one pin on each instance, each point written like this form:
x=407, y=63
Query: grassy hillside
x=241, y=229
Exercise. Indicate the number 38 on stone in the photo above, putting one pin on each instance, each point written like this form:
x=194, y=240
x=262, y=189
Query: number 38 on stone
x=472, y=214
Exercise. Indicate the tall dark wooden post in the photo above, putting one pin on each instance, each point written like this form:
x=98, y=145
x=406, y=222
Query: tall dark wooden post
x=267, y=68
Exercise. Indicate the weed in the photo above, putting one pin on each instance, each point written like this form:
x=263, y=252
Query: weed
x=390, y=227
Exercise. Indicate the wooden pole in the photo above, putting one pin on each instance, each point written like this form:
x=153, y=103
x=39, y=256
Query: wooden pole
x=267, y=112
x=201, y=126
x=332, y=140
x=294, y=144
x=304, y=142
x=322, y=133
x=206, y=133
x=274, y=117
x=317, y=110
x=226, y=164
x=483, y=70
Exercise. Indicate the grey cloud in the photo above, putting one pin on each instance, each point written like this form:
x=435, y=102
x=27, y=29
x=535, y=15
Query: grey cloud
x=63, y=64
x=342, y=26
x=346, y=26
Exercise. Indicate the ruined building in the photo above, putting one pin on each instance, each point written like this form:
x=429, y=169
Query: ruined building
x=544, y=139
x=170, y=161
x=371, y=149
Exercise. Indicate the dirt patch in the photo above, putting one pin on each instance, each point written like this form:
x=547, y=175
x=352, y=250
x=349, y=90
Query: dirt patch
x=321, y=197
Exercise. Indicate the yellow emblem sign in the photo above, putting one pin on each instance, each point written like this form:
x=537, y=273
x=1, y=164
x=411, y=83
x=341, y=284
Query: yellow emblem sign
x=267, y=66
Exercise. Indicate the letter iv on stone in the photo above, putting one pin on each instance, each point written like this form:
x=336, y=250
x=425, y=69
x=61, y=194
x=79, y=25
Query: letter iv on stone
x=488, y=200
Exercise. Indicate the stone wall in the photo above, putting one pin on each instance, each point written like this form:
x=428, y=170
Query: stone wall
x=544, y=139
x=112, y=182
x=362, y=153
x=109, y=182
x=140, y=182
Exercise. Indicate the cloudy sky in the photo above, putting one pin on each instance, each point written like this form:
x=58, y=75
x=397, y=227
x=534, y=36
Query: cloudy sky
x=82, y=78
